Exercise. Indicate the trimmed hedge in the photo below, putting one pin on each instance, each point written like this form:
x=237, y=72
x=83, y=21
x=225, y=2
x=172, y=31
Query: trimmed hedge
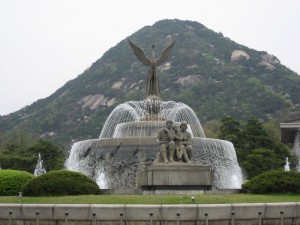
x=274, y=182
x=13, y=181
x=61, y=182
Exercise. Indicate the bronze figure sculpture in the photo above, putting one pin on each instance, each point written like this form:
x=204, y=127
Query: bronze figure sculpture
x=152, y=89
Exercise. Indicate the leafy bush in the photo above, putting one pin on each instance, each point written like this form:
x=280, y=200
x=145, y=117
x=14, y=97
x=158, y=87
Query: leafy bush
x=12, y=181
x=274, y=182
x=61, y=182
x=259, y=161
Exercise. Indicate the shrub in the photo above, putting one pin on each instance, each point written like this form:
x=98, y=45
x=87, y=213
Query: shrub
x=61, y=182
x=12, y=181
x=274, y=182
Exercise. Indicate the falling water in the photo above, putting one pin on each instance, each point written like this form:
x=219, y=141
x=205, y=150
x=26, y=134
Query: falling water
x=127, y=144
x=116, y=167
x=149, y=110
x=287, y=164
x=221, y=156
x=79, y=160
x=39, y=169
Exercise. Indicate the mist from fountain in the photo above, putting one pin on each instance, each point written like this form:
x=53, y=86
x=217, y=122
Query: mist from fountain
x=127, y=144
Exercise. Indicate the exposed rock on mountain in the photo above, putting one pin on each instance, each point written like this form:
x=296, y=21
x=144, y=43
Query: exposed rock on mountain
x=188, y=80
x=239, y=54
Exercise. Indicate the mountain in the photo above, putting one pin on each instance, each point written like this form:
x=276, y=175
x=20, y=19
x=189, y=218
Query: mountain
x=211, y=73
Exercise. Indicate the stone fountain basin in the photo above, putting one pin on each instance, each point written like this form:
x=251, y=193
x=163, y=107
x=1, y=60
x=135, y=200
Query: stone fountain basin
x=147, y=147
x=119, y=155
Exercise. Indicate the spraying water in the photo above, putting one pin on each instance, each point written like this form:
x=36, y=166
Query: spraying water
x=221, y=156
x=151, y=111
x=127, y=144
x=39, y=169
x=287, y=164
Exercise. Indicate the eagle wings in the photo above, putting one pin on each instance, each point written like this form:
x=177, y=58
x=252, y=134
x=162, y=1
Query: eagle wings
x=139, y=53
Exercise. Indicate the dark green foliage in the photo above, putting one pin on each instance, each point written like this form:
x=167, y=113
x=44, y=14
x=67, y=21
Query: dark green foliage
x=16, y=157
x=230, y=130
x=51, y=154
x=17, y=162
x=19, y=158
x=12, y=181
x=254, y=135
x=256, y=151
x=61, y=182
x=274, y=182
x=259, y=161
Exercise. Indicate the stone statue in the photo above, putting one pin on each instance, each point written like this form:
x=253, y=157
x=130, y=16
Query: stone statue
x=177, y=140
x=174, y=142
x=165, y=138
x=186, y=147
x=152, y=88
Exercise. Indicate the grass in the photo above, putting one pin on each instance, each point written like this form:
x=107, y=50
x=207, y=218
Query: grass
x=163, y=199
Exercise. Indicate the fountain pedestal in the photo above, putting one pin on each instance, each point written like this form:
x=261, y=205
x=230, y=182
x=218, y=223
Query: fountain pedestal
x=175, y=178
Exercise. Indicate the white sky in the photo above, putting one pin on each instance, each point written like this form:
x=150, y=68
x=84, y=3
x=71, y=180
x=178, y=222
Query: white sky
x=45, y=43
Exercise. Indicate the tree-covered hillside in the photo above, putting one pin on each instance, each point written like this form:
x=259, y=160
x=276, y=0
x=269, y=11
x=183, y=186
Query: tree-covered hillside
x=211, y=73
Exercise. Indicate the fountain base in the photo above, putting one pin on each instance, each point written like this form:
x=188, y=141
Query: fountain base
x=175, y=178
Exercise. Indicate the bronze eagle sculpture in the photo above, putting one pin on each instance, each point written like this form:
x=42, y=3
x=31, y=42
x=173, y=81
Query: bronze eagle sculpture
x=152, y=88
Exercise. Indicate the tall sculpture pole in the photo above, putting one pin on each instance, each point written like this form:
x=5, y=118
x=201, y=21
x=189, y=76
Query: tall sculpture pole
x=152, y=88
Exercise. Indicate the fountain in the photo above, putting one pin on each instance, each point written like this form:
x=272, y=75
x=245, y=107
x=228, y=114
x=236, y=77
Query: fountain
x=287, y=164
x=127, y=143
x=39, y=169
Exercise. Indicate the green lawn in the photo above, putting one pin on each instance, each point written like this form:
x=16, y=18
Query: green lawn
x=164, y=199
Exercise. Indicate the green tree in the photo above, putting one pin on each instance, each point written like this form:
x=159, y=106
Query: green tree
x=254, y=135
x=14, y=157
x=16, y=162
x=257, y=152
x=259, y=161
x=273, y=130
x=17, y=158
x=230, y=130
x=14, y=148
x=51, y=154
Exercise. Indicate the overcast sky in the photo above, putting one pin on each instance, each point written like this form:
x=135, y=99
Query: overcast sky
x=45, y=43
